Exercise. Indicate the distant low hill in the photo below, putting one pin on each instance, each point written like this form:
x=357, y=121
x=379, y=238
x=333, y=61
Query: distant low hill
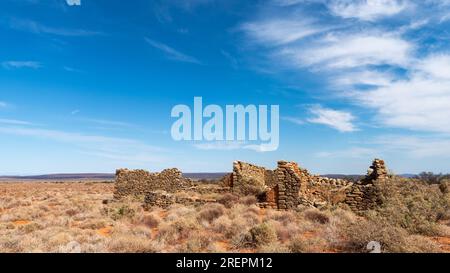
x=110, y=176
x=100, y=176
x=65, y=176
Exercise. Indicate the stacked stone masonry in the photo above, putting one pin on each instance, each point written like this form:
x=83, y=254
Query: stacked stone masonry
x=140, y=182
x=289, y=186
x=286, y=187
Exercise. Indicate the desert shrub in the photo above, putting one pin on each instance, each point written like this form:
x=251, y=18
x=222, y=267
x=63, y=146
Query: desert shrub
x=121, y=212
x=251, y=214
x=180, y=229
x=29, y=228
x=9, y=244
x=211, y=212
x=284, y=217
x=196, y=243
x=257, y=236
x=444, y=186
x=130, y=244
x=150, y=220
x=71, y=212
x=248, y=200
x=242, y=240
x=412, y=205
x=420, y=244
x=275, y=247
x=92, y=224
x=263, y=234
x=316, y=216
x=358, y=235
x=301, y=244
x=177, y=211
x=228, y=200
x=298, y=245
x=229, y=228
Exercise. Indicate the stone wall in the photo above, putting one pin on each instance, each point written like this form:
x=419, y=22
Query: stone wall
x=361, y=197
x=291, y=186
x=286, y=187
x=164, y=199
x=290, y=180
x=139, y=182
x=245, y=173
x=377, y=171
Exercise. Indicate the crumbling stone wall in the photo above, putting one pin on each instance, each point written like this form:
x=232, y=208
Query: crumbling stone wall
x=139, y=182
x=290, y=180
x=361, y=197
x=164, y=199
x=377, y=171
x=245, y=173
x=287, y=187
x=291, y=187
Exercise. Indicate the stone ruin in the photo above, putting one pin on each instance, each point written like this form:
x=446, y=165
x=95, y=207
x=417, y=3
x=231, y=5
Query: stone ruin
x=140, y=182
x=377, y=171
x=286, y=187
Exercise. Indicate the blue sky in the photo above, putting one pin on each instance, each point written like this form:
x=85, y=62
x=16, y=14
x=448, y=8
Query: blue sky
x=88, y=86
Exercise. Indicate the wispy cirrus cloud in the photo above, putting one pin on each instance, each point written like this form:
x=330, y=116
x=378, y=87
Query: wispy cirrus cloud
x=73, y=2
x=383, y=67
x=172, y=53
x=105, y=122
x=347, y=50
x=14, y=122
x=3, y=104
x=21, y=64
x=352, y=152
x=339, y=120
x=121, y=149
x=294, y=120
x=278, y=31
x=367, y=10
x=38, y=28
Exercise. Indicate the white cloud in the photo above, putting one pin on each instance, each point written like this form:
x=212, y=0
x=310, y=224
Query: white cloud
x=38, y=28
x=415, y=146
x=280, y=31
x=435, y=66
x=339, y=120
x=378, y=67
x=233, y=61
x=21, y=64
x=288, y=2
x=14, y=122
x=105, y=122
x=352, y=152
x=362, y=77
x=73, y=2
x=418, y=103
x=171, y=53
x=295, y=120
x=367, y=10
x=3, y=104
x=351, y=51
x=71, y=69
x=121, y=149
